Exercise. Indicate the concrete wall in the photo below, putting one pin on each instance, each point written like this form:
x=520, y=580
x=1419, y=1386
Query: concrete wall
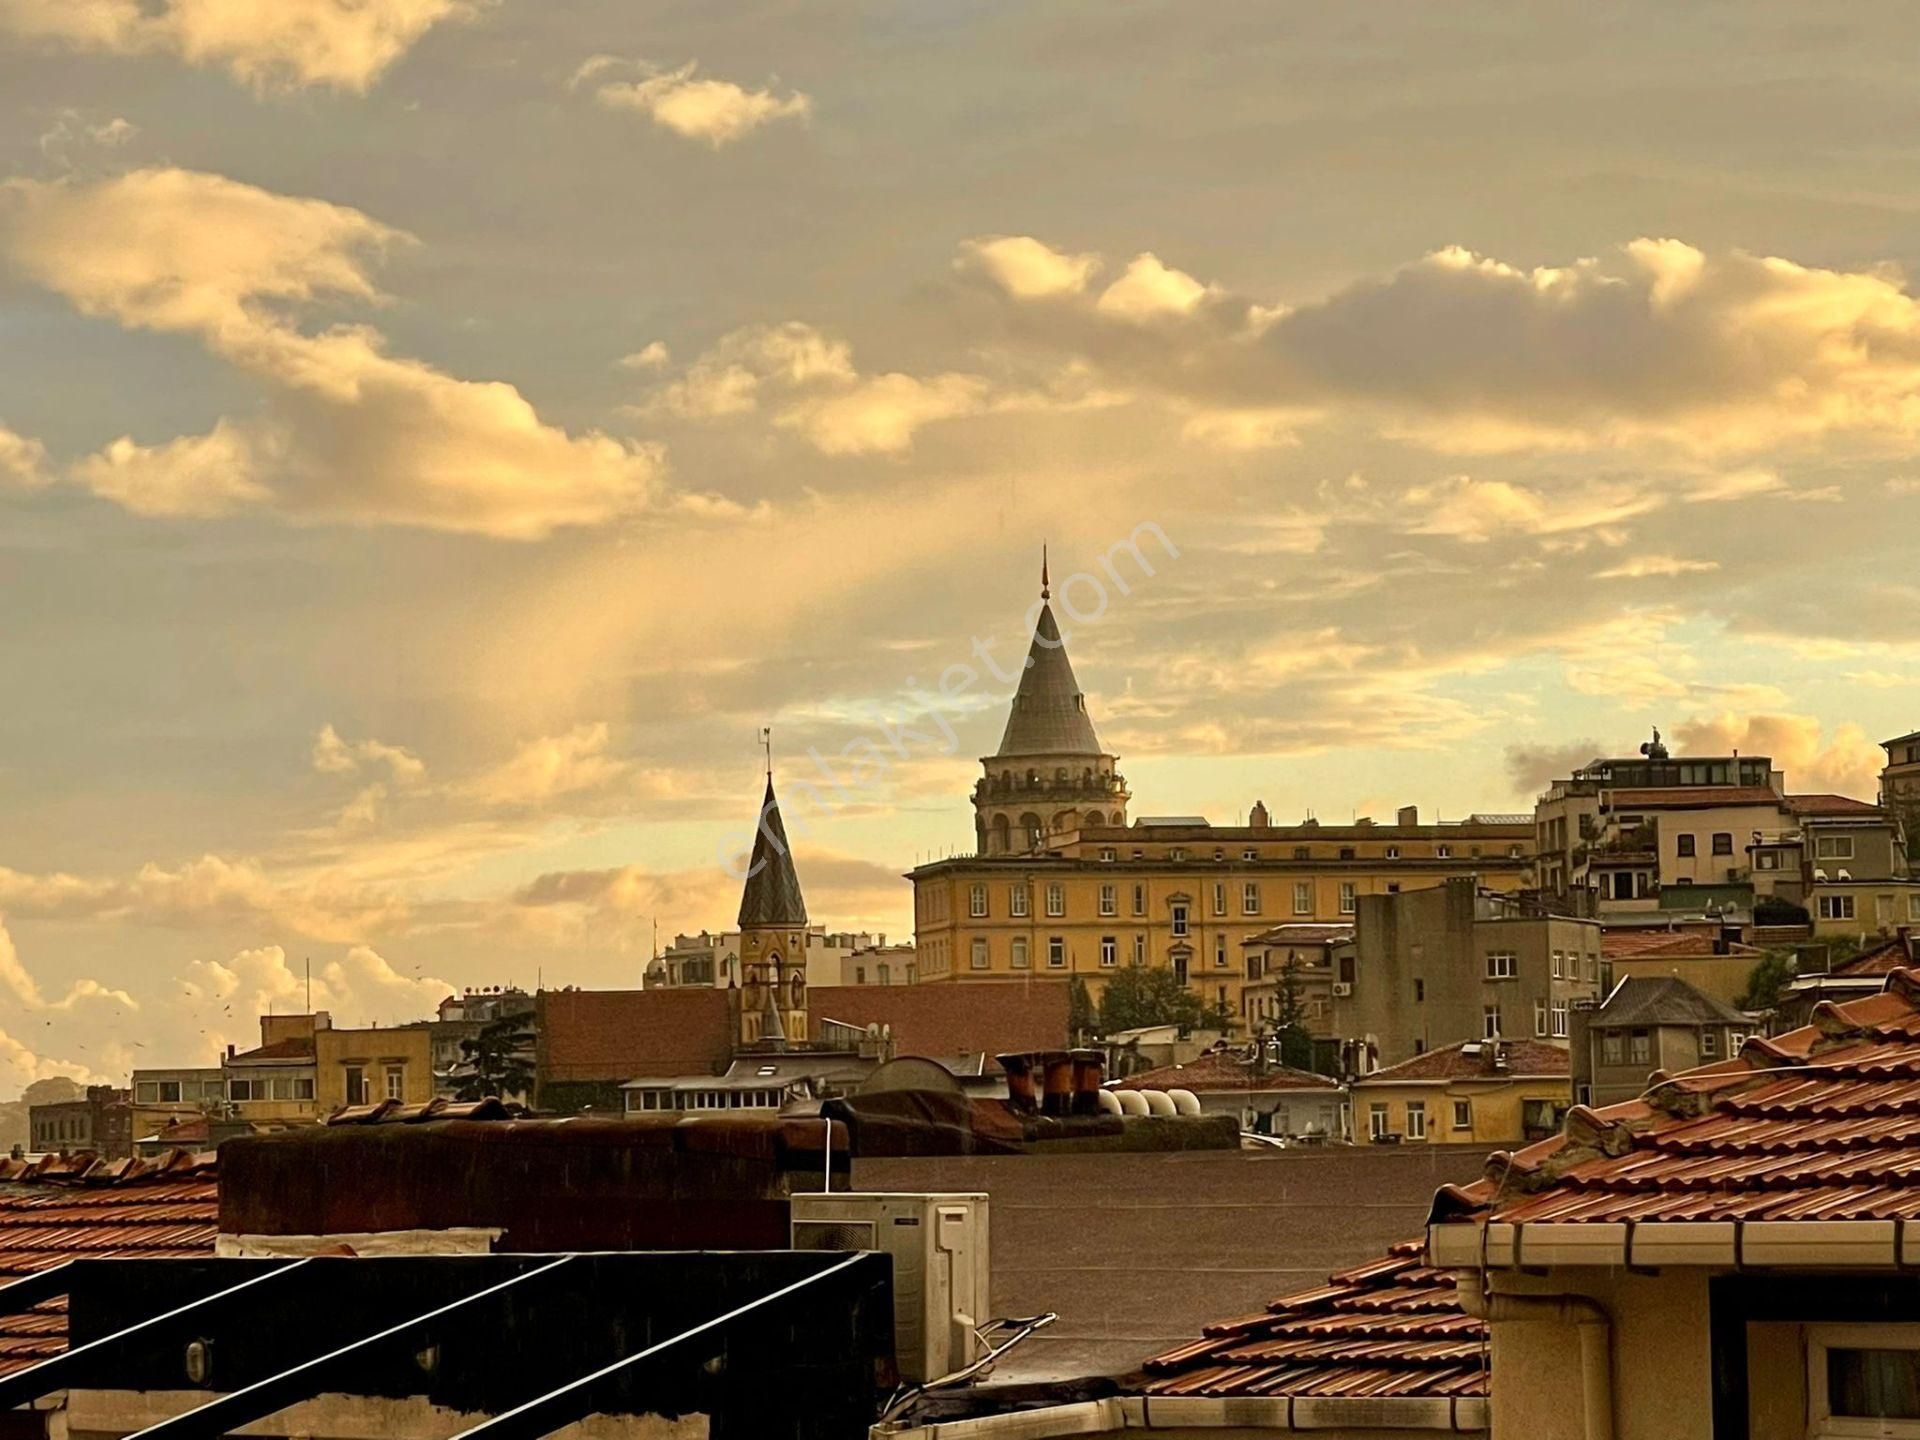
x=1662, y=1366
x=1722, y=976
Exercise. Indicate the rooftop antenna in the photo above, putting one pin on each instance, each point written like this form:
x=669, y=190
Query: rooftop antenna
x=309, y=985
x=1046, y=591
x=766, y=743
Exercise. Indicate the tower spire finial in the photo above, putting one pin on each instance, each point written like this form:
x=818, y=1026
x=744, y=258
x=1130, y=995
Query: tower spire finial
x=766, y=744
x=1045, y=590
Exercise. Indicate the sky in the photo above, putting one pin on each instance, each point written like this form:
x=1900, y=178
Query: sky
x=437, y=435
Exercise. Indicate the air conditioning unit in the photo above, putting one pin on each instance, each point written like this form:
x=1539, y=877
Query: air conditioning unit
x=940, y=1267
x=1342, y=989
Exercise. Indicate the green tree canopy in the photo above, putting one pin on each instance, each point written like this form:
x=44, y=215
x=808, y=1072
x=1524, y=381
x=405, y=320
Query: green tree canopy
x=1139, y=995
x=499, y=1057
x=1767, y=981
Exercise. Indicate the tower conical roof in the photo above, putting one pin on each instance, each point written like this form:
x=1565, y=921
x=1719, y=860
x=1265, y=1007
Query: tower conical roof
x=772, y=895
x=1049, y=714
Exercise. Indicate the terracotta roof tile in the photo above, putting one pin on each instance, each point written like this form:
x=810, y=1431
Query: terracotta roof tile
x=1653, y=944
x=1832, y=805
x=63, y=1208
x=628, y=1034
x=1819, y=1123
x=1390, y=1327
x=1473, y=1058
x=1225, y=1070
x=1691, y=797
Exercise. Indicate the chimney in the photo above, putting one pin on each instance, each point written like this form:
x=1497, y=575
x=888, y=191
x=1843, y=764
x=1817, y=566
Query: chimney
x=1019, y=1070
x=1407, y=815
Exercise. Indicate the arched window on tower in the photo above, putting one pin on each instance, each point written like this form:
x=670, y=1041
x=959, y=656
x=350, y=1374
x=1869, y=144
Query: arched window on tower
x=1031, y=830
x=1000, y=843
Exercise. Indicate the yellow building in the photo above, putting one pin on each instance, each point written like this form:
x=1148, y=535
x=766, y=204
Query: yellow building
x=1502, y=1092
x=304, y=1069
x=1063, y=885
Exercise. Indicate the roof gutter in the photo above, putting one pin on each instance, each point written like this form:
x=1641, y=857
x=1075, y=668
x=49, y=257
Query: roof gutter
x=1592, y=1321
x=1455, y=1414
x=1651, y=1244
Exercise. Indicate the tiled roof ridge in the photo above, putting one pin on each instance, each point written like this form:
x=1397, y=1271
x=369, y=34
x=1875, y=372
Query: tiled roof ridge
x=87, y=1168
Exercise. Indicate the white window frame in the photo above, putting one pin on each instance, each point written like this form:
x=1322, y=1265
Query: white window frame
x=1833, y=847
x=1017, y=900
x=1219, y=951
x=395, y=1080
x=1416, y=1119
x=1503, y=965
x=1109, y=900
x=1822, y=1424
x=1490, y=1022
x=1017, y=955
x=1377, y=1120
x=1303, y=897
x=1249, y=854
x=1393, y=852
x=1056, y=952
x=1109, y=952
x=1107, y=857
x=1178, y=922
x=977, y=902
x=1443, y=852
x=1219, y=897
x=1139, y=949
x=1139, y=899
x=1539, y=1019
x=1349, y=898
x=1056, y=899
x=1559, y=1019
x=1250, y=898
x=1463, y=1114
x=978, y=956
x=1837, y=907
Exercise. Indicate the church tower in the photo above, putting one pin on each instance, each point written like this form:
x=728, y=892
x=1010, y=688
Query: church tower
x=1050, y=774
x=772, y=1009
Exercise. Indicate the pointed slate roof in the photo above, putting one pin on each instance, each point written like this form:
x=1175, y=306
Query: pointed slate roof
x=1049, y=714
x=772, y=895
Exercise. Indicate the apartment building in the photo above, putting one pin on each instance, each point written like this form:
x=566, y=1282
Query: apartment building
x=305, y=1068
x=1435, y=967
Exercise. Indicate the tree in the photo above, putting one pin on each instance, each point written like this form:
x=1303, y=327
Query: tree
x=498, y=1062
x=1138, y=996
x=1082, y=1020
x=1290, y=1023
x=1767, y=982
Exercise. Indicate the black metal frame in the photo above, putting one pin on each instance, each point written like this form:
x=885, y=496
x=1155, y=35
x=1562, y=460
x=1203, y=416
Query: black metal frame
x=767, y=1343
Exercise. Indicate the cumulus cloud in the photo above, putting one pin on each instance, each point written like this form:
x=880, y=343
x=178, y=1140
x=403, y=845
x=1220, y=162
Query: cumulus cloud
x=1025, y=268
x=714, y=112
x=332, y=755
x=23, y=462
x=1532, y=768
x=549, y=767
x=342, y=44
x=809, y=380
x=1843, y=760
x=17, y=979
x=1644, y=567
x=359, y=988
x=1656, y=341
x=1476, y=510
x=350, y=432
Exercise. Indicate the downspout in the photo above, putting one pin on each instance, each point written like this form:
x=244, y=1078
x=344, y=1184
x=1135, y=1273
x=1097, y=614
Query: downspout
x=1587, y=1315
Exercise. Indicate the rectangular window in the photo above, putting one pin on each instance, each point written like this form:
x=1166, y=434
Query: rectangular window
x=1913, y=907
x=1540, y=1019
x=1709, y=1043
x=1303, y=897
x=1017, y=901
x=356, y=1085
x=396, y=1082
x=1017, y=952
x=1836, y=907
x=978, y=957
x=280, y=1088
x=169, y=1092
x=1735, y=1041
x=1179, y=925
x=1302, y=852
x=1377, y=1121
x=1219, y=898
x=1559, y=964
x=1139, y=949
x=1463, y=1114
x=1219, y=952
x=1611, y=1050
x=1683, y=846
x=1416, y=1119
x=245, y=1090
x=1347, y=901
x=1501, y=965
x=1419, y=991
x=146, y=1093
x=1057, y=952
x=1393, y=852
x=1639, y=1047
x=1833, y=847
x=1177, y=854
x=1490, y=1021
x=1139, y=899
x=977, y=902
x=1109, y=900
x=1056, y=899
x=1443, y=852
x=1249, y=854
x=1106, y=857
x=1250, y=898
x=1723, y=842
x=1863, y=1380
x=1109, y=952
x=1559, y=1019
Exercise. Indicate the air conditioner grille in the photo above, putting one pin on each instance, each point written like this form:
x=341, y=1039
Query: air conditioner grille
x=833, y=1235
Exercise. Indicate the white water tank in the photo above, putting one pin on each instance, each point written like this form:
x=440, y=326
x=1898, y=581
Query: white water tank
x=1185, y=1102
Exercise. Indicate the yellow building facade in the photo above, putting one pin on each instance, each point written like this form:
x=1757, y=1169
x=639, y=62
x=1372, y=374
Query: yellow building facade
x=1062, y=885
x=304, y=1069
x=1469, y=1094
